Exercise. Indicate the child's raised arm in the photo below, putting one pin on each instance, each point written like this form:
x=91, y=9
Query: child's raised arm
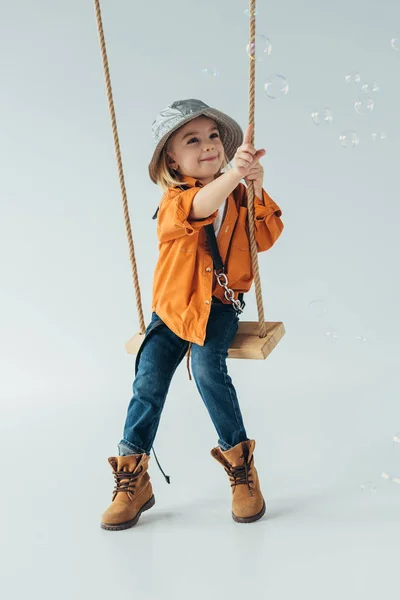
x=213, y=194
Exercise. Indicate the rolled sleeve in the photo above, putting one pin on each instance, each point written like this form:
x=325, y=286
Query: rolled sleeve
x=266, y=207
x=173, y=217
x=268, y=224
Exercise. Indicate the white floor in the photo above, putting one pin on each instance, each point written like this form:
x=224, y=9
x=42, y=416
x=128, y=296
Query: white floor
x=322, y=537
x=326, y=544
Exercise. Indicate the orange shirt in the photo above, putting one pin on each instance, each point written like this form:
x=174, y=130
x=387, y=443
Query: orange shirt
x=184, y=280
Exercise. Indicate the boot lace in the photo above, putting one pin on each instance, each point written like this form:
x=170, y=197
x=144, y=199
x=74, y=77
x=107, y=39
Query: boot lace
x=125, y=482
x=240, y=475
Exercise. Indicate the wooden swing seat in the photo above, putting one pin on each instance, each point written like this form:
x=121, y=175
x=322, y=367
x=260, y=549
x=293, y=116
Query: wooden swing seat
x=246, y=344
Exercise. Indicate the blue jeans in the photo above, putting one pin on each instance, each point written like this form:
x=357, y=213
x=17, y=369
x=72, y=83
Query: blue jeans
x=158, y=358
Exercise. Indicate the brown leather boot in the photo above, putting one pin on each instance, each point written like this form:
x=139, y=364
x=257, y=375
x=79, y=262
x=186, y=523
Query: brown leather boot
x=248, y=504
x=133, y=493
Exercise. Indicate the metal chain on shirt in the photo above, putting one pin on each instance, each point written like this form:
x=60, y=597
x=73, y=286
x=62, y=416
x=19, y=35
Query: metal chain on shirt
x=229, y=294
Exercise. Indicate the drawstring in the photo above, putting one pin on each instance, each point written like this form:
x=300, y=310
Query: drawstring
x=167, y=477
x=187, y=362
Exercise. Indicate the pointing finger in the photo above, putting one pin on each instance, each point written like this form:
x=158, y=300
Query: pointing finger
x=248, y=134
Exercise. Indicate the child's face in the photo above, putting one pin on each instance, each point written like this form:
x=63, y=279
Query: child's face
x=191, y=144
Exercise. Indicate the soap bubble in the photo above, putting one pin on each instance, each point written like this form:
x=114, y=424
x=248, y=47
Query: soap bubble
x=352, y=77
x=211, y=73
x=395, y=43
x=316, y=117
x=396, y=438
x=260, y=48
x=368, y=486
x=349, y=139
x=390, y=478
x=247, y=12
x=379, y=136
x=331, y=334
x=362, y=338
x=362, y=106
x=327, y=116
x=370, y=88
x=276, y=86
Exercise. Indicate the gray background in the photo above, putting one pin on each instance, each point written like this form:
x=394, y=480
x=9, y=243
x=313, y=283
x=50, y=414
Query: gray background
x=323, y=407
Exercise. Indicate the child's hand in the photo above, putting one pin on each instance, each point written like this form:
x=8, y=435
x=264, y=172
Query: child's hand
x=256, y=174
x=247, y=156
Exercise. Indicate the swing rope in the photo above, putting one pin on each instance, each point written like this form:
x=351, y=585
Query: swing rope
x=128, y=228
x=250, y=189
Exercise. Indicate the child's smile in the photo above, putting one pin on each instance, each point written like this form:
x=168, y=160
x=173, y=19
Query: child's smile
x=196, y=149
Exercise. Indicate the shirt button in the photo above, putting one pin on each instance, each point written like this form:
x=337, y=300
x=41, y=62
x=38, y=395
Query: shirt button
x=207, y=302
x=208, y=268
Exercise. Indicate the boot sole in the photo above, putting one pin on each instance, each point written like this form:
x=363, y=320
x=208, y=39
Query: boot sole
x=132, y=522
x=252, y=518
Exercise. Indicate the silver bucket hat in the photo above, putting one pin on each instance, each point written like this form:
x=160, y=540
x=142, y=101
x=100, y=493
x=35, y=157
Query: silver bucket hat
x=182, y=111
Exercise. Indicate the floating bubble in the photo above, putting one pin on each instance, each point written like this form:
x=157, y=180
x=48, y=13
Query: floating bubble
x=247, y=12
x=331, y=334
x=327, y=116
x=349, y=139
x=259, y=49
x=389, y=477
x=363, y=106
x=370, y=88
x=212, y=73
x=379, y=136
x=368, y=486
x=396, y=438
x=276, y=86
x=353, y=77
x=361, y=338
x=395, y=43
x=316, y=117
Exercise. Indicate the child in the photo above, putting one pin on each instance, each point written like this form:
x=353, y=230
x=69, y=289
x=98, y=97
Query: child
x=190, y=309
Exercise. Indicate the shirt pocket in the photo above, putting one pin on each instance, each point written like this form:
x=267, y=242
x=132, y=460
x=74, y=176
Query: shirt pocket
x=240, y=238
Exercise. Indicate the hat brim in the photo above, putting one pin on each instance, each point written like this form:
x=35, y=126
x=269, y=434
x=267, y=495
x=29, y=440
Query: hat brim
x=230, y=130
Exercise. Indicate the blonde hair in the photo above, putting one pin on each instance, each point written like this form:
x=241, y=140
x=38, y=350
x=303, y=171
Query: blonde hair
x=167, y=177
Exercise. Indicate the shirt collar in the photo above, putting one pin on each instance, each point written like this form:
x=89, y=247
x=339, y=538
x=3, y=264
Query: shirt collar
x=191, y=181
